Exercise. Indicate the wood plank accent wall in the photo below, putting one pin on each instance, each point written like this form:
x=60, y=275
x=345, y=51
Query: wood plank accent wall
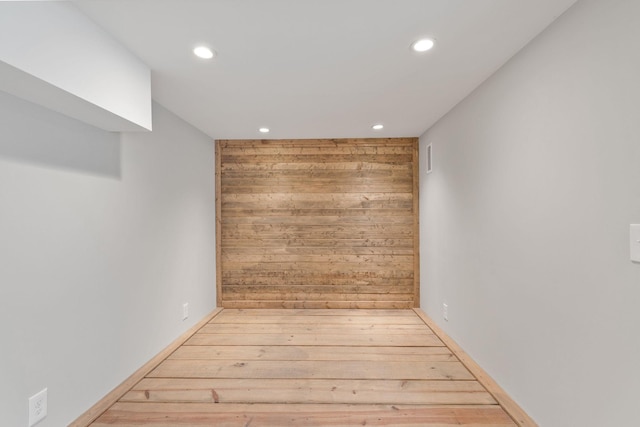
x=317, y=223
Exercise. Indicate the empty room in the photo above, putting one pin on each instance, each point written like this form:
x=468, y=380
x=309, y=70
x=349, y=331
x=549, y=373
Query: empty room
x=319, y=213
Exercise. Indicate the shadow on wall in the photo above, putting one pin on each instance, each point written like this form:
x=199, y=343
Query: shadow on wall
x=33, y=134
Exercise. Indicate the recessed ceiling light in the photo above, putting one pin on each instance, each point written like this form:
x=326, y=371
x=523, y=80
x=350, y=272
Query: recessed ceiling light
x=264, y=130
x=377, y=127
x=203, y=52
x=422, y=45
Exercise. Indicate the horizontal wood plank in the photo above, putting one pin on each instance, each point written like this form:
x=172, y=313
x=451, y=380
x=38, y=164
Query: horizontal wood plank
x=324, y=142
x=311, y=218
x=314, y=339
x=286, y=244
x=308, y=328
x=295, y=391
x=361, y=369
x=337, y=313
x=235, y=259
x=310, y=296
x=301, y=284
x=302, y=319
x=310, y=166
x=248, y=352
x=293, y=148
x=311, y=415
x=317, y=304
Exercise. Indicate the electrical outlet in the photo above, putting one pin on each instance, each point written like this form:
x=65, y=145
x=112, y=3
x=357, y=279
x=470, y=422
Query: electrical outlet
x=185, y=311
x=37, y=407
x=445, y=311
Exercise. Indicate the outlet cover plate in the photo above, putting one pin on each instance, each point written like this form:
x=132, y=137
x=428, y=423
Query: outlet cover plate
x=37, y=407
x=634, y=242
x=185, y=311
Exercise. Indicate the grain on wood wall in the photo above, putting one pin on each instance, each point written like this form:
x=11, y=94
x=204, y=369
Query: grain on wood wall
x=317, y=223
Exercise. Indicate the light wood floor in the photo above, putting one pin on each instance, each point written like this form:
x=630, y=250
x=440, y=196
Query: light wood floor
x=309, y=368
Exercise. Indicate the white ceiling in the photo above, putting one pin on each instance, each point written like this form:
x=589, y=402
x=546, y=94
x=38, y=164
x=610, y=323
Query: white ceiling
x=319, y=68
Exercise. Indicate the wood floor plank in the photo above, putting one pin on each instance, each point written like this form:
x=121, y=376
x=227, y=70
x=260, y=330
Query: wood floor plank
x=315, y=339
x=238, y=319
x=397, y=354
x=315, y=304
x=311, y=369
x=406, y=392
x=320, y=312
x=314, y=328
x=126, y=414
x=309, y=296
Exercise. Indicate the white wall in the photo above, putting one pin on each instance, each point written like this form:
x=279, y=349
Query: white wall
x=525, y=220
x=54, y=55
x=103, y=236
